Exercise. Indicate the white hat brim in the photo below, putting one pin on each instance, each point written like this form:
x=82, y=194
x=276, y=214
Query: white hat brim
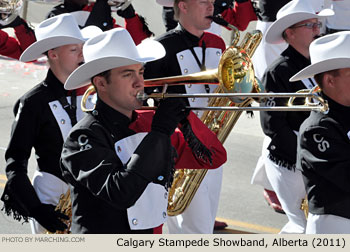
x=81, y=17
x=274, y=33
x=149, y=50
x=38, y=48
x=320, y=67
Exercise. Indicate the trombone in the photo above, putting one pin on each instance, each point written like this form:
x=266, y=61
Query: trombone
x=312, y=100
x=236, y=80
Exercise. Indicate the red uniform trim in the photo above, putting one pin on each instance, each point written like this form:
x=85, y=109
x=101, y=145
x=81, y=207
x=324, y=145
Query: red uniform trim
x=240, y=15
x=186, y=158
x=12, y=47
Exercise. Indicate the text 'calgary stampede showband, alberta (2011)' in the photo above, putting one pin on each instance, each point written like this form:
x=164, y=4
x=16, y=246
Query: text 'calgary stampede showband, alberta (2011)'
x=241, y=242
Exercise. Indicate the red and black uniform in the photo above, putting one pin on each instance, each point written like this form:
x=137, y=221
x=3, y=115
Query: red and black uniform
x=134, y=23
x=118, y=169
x=41, y=123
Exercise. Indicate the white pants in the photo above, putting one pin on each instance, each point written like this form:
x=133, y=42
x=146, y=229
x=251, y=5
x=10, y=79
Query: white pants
x=259, y=176
x=49, y=189
x=199, y=217
x=290, y=189
x=327, y=224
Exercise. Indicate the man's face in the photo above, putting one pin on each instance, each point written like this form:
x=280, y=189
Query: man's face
x=66, y=58
x=198, y=11
x=341, y=86
x=304, y=32
x=124, y=84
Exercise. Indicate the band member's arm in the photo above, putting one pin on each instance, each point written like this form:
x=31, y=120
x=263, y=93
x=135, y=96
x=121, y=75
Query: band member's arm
x=276, y=124
x=324, y=152
x=90, y=161
x=186, y=157
x=135, y=24
x=20, y=193
x=240, y=15
x=25, y=35
x=19, y=196
x=101, y=17
x=12, y=47
x=9, y=46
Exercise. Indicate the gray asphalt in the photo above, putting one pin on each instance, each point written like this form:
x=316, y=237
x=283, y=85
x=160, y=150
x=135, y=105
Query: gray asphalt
x=241, y=205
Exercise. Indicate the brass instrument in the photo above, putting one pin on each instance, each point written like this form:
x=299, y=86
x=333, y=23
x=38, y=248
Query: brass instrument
x=235, y=74
x=305, y=206
x=9, y=10
x=312, y=100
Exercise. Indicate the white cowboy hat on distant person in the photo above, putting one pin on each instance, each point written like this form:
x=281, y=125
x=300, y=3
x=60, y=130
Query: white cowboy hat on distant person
x=51, y=33
x=90, y=31
x=327, y=53
x=166, y=3
x=111, y=49
x=293, y=12
x=81, y=17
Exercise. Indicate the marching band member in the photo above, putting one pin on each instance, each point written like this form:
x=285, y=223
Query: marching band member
x=190, y=49
x=264, y=55
x=10, y=46
x=43, y=118
x=297, y=24
x=101, y=16
x=119, y=161
x=239, y=14
x=323, y=143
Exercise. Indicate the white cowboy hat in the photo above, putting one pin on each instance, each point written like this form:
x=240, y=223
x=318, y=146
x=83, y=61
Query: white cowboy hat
x=166, y=3
x=90, y=31
x=51, y=33
x=327, y=53
x=81, y=17
x=111, y=49
x=293, y=12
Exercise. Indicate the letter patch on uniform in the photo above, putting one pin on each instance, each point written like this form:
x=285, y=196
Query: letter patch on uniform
x=83, y=142
x=322, y=145
x=270, y=102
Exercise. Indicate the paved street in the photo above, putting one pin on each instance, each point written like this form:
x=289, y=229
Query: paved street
x=242, y=205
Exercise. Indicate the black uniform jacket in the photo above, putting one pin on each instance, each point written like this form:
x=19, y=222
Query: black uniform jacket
x=279, y=126
x=269, y=8
x=34, y=126
x=324, y=159
x=102, y=187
